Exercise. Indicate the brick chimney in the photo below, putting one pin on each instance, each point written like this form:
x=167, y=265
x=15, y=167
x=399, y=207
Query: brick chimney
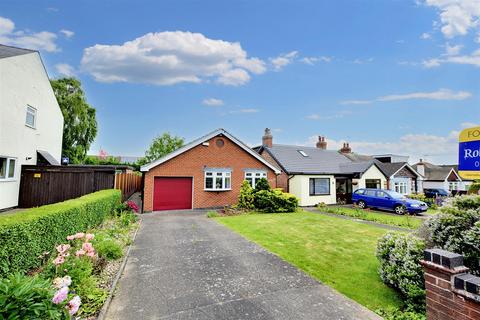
x=267, y=139
x=346, y=148
x=321, y=144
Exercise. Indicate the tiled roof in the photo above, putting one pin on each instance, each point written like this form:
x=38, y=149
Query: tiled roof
x=310, y=160
x=434, y=172
x=7, y=51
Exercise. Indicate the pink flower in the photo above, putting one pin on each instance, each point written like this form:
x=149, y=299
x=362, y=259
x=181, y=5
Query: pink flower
x=91, y=253
x=80, y=252
x=89, y=236
x=87, y=246
x=63, y=248
x=79, y=235
x=62, y=282
x=73, y=305
x=60, y=295
x=58, y=260
x=70, y=238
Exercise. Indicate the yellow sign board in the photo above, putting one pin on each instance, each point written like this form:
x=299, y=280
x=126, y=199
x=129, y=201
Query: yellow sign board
x=37, y=175
x=469, y=153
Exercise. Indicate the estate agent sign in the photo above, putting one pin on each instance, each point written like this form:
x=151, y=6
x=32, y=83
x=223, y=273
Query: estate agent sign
x=469, y=154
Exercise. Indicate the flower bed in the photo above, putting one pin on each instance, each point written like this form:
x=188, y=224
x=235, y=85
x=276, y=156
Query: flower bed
x=75, y=277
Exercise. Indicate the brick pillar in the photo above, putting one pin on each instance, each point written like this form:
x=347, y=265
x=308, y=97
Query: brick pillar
x=452, y=293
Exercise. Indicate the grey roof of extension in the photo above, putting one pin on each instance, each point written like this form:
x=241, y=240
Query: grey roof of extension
x=317, y=161
x=8, y=51
x=434, y=172
x=391, y=167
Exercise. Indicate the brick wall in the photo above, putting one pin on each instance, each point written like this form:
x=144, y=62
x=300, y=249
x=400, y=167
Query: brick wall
x=282, y=179
x=452, y=293
x=192, y=163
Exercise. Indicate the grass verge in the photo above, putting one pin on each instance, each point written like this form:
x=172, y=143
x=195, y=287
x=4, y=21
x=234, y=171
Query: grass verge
x=406, y=221
x=339, y=253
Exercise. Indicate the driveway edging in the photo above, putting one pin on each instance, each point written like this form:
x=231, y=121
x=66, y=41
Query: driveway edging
x=106, y=305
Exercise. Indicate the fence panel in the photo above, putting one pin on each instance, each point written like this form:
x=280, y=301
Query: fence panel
x=129, y=183
x=41, y=185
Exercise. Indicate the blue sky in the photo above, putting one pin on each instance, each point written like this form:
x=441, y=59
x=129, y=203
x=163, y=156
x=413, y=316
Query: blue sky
x=387, y=76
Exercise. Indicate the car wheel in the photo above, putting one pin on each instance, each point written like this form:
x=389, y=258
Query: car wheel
x=361, y=204
x=399, y=209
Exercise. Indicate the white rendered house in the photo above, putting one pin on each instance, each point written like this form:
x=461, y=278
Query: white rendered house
x=31, y=122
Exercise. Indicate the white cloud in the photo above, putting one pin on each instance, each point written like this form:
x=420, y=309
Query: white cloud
x=43, y=40
x=434, y=148
x=452, y=50
x=458, y=17
x=314, y=60
x=283, y=60
x=337, y=115
x=469, y=125
x=471, y=59
x=213, y=102
x=64, y=69
x=441, y=94
x=170, y=57
x=67, y=33
x=362, y=61
x=245, y=110
x=425, y=36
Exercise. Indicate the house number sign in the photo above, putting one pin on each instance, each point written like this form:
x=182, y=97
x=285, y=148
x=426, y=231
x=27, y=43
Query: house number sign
x=469, y=153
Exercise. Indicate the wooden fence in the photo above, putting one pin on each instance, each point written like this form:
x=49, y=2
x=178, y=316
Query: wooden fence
x=129, y=183
x=41, y=185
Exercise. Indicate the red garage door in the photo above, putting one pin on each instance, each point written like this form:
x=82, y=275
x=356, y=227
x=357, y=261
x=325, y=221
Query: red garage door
x=172, y=193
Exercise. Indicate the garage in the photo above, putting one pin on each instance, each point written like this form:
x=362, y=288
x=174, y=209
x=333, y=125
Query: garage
x=172, y=193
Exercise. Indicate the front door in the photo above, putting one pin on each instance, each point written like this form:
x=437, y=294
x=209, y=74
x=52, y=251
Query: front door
x=344, y=190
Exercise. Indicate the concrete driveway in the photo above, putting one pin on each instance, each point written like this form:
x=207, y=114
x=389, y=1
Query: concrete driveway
x=186, y=266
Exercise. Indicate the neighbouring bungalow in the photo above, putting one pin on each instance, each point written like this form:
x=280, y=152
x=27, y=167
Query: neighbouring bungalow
x=317, y=175
x=401, y=177
x=441, y=176
x=205, y=173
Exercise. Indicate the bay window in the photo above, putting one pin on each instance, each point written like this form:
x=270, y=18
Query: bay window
x=218, y=179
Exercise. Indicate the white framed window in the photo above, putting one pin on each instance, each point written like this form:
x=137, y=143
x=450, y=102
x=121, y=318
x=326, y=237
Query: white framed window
x=400, y=187
x=319, y=186
x=453, y=185
x=7, y=168
x=31, y=117
x=252, y=176
x=218, y=180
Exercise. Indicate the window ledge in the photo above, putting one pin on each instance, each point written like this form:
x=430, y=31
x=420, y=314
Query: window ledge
x=8, y=180
x=216, y=190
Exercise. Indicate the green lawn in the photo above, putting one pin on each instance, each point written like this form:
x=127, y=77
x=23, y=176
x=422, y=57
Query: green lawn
x=338, y=252
x=405, y=221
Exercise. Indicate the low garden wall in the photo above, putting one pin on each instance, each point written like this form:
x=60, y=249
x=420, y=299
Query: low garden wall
x=452, y=292
x=28, y=235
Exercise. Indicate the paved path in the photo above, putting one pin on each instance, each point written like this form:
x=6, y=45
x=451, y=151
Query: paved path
x=186, y=266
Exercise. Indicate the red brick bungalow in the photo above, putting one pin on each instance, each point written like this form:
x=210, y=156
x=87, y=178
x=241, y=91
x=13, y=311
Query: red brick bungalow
x=205, y=173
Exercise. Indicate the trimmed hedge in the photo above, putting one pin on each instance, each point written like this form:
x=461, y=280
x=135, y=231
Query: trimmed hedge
x=26, y=235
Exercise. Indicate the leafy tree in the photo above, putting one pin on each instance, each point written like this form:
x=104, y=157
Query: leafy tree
x=262, y=184
x=80, y=125
x=161, y=146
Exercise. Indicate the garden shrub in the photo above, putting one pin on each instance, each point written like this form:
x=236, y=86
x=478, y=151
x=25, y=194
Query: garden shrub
x=24, y=297
x=275, y=200
x=109, y=249
x=246, y=196
x=474, y=188
x=399, y=256
x=28, y=235
x=262, y=184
